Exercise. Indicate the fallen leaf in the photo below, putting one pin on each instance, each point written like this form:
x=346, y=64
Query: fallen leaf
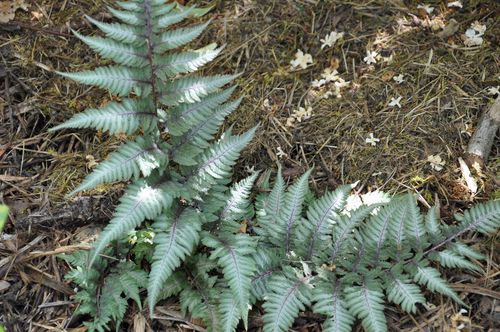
x=449, y=30
x=469, y=180
x=4, y=285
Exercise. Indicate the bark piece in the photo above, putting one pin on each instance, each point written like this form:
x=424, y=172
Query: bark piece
x=481, y=142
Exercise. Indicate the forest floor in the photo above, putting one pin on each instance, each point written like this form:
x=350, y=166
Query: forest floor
x=361, y=134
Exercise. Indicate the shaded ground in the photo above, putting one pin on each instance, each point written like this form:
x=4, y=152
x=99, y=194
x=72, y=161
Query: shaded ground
x=442, y=98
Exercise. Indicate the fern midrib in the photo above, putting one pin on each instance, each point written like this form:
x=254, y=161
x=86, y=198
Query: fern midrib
x=319, y=225
x=187, y=137
x=284, y=304
x=173, y=235
x=382, y=234
x=153, y=147
x=216, y=157
x=372, y=315
x=290, y=222
x=205, y=297
x=335, y=305
x=150, y=43
x=236, y=265
x=339, y=241
x=400, y=284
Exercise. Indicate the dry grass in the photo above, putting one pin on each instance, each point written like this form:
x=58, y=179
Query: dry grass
x=443, y=95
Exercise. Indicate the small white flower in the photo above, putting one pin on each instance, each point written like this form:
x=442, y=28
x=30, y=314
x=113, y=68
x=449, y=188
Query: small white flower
x=457, y=4
x=266, y=104
x=341, y=83
x=330, y=75
x=399, y=79
x=494, y=90
x=303, y=113
x=290, y=121
x=372, y=139
x=370, y=57
x=318, y=83
x=436, y=162
x=460, y=327
x=279, y=153
x=331, y=39
x=427, y=8
x=249, y=169
x=472, y=38
x=462, y=311
x=395, y=102
x=327, y=94
x=480, y=28
x=301, y=60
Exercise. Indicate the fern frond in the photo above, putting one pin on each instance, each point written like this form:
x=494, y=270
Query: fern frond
x=173, y=285
x=188, y=146
x=288, y=295
x=141, y=201
x=238, y=201
x=465, y=250
x=431, y=278
x=367, y=303
x=176, y=238
x=124, y=54
x=229, y=311
x=268, y=262
x=185, y=116
x=316, y=231
x=185, y=62
x=191, y=89
x=377, y=228
x=274, y=201
x=402, y=292
x=343, y=232
x=118, y=80
x=484, y=218
x=179, y=37
x=199, y=301
x=120, y=32
x=130, y=161
x=432, y=223
x=414, y=222
x=329, y=301
x=217, y=162
x=174, y=17
x=234, y=254
x=128, y=17
x=125, y=117
x=449, y=258
x=282, y=230
x=132, y=279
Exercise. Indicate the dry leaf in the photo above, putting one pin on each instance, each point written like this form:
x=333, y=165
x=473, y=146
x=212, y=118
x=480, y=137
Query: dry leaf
x=471, y=182
x=139, y=323
x=449, y=30
x=4, y=285
x=8, y=9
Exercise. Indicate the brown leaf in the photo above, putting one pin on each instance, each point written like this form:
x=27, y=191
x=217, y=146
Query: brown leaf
x=139, y=323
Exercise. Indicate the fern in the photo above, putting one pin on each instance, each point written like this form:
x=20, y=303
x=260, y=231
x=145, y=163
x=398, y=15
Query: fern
x=212, y=243
x=363, y=259
x=172, y=177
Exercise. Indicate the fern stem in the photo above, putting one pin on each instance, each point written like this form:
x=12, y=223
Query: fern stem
x=150, y=43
